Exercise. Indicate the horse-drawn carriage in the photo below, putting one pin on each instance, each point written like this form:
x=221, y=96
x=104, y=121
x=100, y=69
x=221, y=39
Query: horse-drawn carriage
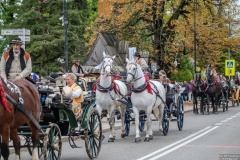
x=57, y=120
x=216, y=90
x=143, y=97
x=174, y=107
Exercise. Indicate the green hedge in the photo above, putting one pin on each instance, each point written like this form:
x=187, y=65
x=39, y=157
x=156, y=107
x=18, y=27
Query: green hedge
x=182, y=75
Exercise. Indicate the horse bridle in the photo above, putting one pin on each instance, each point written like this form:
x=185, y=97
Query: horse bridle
x=104, y=67
x=134, y=74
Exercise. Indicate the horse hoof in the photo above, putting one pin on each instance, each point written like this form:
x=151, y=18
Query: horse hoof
x=150, y=137
x=111, y=139
x=146, y=139
x=123, y=135
x=114, y=137
x=137, y=139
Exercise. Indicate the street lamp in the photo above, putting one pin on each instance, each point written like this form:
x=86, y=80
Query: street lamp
x=65, y=21
x=195, y=35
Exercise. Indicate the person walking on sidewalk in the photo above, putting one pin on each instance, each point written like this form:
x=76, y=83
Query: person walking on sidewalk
x=190, y=86
x=185, y=92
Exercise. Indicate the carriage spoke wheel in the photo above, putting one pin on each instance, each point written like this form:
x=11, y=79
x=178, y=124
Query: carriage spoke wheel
x=93, y=134
x=52, y=144
x=165, y=121
x=180, y=113
x=127, y=123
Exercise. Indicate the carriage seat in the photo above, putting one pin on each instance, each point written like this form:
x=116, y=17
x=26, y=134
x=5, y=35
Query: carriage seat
x=56, y=98
x=45, y=91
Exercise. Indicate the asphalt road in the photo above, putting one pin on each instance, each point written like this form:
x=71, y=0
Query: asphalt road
x=204, y=137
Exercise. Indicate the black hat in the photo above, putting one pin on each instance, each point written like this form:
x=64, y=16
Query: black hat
x=137, y=54
x=16, y=40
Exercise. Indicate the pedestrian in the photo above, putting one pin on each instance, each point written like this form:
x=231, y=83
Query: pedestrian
x=16, y=63
x=190, y=86
x=76, y=94
x=185, y=92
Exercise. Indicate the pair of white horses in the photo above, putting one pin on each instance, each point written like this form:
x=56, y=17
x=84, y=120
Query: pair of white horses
x=109, y=90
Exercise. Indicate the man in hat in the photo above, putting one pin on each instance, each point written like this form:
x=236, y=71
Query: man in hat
x=79, y=72
x=141, y=61
x=15, y=63
x=77, y=68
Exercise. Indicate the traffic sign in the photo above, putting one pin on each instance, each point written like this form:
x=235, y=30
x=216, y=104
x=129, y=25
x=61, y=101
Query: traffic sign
x=15, y=31
x=229, y=67
x=25, y=38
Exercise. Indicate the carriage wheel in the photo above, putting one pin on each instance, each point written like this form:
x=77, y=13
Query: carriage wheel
x=180, y=113
x=165, y=122
x=52, y=143
x=93, y=135
x=127, y=123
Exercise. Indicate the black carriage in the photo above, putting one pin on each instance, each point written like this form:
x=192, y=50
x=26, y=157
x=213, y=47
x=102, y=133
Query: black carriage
x=57, y=120
x=174, y=108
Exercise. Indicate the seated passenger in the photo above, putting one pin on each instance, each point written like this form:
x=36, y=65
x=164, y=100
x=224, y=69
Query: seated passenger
x=76, y=95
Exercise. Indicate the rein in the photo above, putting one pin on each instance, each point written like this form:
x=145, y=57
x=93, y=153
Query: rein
x=19, y=104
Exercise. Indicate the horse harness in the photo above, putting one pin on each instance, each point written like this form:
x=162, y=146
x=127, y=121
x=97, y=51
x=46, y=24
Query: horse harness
x=19, y=104
x=144, y=87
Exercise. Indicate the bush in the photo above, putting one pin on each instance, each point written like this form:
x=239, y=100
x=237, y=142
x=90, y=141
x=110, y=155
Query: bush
x=182, y=75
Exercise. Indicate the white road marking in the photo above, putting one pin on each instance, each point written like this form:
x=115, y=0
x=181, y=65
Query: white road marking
x=173, y=144
x=180, y=145
x=224, y=121
x=205, y=131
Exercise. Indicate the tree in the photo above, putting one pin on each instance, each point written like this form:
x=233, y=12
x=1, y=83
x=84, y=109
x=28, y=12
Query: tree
x=165, y=28
x=185, y=70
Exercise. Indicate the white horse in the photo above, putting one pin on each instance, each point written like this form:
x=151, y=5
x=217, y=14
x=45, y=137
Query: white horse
x=145, y=97
x=108, y=90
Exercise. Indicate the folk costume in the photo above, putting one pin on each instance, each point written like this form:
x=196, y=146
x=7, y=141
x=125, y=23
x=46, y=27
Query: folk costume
x=78, y=70
x=77, y=99
x=13, y=64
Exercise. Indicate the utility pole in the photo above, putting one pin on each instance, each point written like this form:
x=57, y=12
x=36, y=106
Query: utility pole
x=65, y=34
x=195, y=36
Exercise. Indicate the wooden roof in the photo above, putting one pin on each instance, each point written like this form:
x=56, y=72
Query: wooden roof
x=109, y=43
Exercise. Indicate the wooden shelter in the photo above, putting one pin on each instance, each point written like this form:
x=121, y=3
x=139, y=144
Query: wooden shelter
x=109, y=43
